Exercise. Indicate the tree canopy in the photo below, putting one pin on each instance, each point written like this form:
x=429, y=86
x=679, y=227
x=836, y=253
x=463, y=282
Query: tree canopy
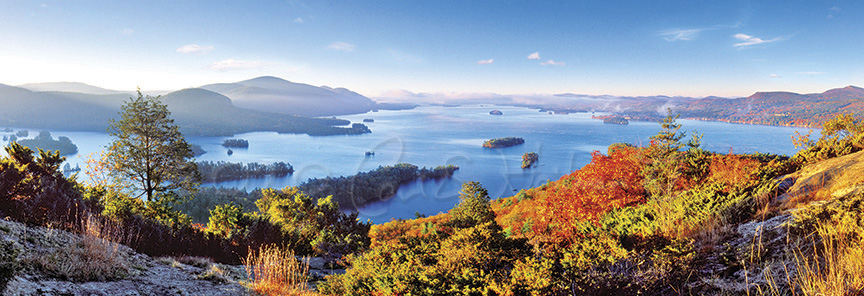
x=148, y=151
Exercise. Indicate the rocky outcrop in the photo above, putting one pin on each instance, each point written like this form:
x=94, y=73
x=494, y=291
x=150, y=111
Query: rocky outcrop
x=55, y=262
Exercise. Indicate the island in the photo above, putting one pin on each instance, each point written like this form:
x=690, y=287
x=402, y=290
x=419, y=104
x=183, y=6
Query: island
x=196, y=150
x=503, y=142
x=368, y=120
x=529, y=160
x=212, y=172
x=235, y=143
x=44, y=141
x=496, y=112
x=353, y=191
x=614, y=119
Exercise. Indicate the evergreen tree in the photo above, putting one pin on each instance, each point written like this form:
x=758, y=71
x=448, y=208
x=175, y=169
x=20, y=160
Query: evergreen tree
x=148, y=151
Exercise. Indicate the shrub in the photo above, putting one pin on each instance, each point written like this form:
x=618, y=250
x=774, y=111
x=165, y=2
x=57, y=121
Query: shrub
x=9, y=265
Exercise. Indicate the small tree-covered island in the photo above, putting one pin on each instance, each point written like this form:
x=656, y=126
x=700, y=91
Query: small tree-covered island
x=529, y=160
x=616, y=119
x=44, y=141
x=235, y=143
x=503, y=142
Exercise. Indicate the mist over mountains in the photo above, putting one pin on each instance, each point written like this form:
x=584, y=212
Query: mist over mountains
x=278, y=105
x=773, y=108
x=274, y=94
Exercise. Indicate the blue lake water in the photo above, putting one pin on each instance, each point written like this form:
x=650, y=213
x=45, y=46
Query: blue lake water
x=432, y=136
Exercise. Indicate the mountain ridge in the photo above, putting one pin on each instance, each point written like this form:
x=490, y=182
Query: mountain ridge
x=198, y=112
x=274, y=94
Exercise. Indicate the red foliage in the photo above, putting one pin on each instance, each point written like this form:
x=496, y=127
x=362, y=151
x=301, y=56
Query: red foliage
x=549, y=213
x=733, y=172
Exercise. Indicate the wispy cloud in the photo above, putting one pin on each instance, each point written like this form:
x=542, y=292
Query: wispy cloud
x=553, y=63
x=232, y=64
x=810, y=73
x=404, y=56
x=775, y=76
x=194, y=49
x=681, y=34
x=534, y=56
x=485, y=62
x=747, y=40
x=342, y=46
x=832, y=11
x=298, y=20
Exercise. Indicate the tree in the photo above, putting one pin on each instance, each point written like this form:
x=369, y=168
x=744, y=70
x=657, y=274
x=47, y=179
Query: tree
x=666, y=162
x=474, y=207
x=148, y=151
x=224, y=219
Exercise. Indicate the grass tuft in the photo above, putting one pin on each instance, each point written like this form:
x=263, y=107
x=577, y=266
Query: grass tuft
x=275, y=271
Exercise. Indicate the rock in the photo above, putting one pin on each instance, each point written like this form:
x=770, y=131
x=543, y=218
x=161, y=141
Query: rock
x=146, y=277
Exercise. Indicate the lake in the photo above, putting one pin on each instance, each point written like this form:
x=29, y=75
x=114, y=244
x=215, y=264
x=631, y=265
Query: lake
x=432, y=136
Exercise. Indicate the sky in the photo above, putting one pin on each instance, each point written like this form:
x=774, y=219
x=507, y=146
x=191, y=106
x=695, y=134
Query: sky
x=378, y=48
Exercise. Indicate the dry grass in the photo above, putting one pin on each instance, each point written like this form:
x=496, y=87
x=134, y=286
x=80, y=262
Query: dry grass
x=275, y=271
x=839, y=269
x=202, y=262
x=90, y=257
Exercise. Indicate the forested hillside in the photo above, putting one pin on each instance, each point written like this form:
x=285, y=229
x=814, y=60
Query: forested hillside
x=772, y=108
x=667, y=219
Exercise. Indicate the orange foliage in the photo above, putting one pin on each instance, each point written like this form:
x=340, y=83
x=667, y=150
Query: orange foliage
x=607, y=183
x=391, y=231
x=733, y=172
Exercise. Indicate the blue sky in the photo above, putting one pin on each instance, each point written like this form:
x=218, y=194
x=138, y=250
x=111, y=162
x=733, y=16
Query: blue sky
x=690, y=48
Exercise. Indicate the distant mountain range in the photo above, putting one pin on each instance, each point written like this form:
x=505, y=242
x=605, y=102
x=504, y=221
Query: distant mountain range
x=773, y=108
x=198, y=111
x=274, y=104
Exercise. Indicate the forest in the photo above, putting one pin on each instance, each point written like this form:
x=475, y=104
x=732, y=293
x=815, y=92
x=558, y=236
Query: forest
x=219, y=171
x=354, y=191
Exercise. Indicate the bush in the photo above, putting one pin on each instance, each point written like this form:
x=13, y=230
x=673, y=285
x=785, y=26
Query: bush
x=9, y=265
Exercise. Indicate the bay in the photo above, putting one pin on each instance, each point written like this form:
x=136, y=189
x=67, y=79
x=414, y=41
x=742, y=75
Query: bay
x=433, y=136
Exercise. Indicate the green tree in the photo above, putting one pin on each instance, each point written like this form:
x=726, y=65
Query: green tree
x=666, y=163
x=474, y=207
x=148, y=151
x=224, y=219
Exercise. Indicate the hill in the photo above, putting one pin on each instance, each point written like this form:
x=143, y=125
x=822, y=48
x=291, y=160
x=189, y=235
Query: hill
x=198, y=112
x=772, y=108
x=274, y=94
x=203, y=112
x=75, y=87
